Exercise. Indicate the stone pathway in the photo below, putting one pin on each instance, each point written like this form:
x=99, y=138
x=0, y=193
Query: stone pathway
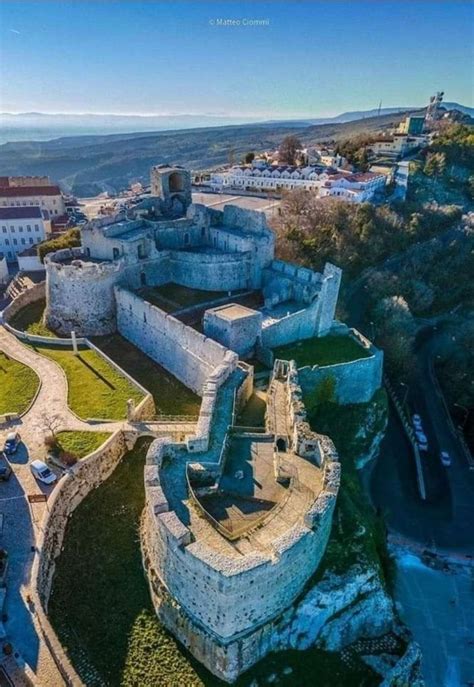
x=21, y=521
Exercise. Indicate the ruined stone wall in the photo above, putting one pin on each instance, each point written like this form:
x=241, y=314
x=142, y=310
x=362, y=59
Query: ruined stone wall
x=328, y=298
x=187, y=354
x=355, y=381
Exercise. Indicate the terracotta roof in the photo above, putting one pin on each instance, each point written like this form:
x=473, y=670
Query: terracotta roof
x=32, y=212
x=28, y=191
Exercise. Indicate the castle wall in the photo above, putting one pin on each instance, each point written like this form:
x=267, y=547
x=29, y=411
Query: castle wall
x=328, y=298
x=218, y=605
x=294, y=327
x=211, y=271
x=355, y=381
x=230, y=596
x=187, y=354
x=80, y=294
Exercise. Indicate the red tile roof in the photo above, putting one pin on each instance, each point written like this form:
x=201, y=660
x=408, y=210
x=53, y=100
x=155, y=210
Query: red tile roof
x=28, y=191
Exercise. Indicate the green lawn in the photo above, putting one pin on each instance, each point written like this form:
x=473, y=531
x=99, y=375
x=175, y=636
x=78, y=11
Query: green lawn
x=171, y=297
x=170, y=395
x=327, y=350
x=30, y=319
x=96, y=390
x=81, y=444
x=18, y=385
x=101, y=611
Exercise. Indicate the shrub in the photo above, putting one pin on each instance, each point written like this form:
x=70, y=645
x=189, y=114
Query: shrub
x=70, y=239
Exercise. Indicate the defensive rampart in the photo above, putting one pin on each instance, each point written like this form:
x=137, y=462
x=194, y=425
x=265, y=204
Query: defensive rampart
x=355, y=381
x=218, y=604
x=184, y=352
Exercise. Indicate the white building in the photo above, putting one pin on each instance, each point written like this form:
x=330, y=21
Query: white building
x=397, y=146
x=357, y=188
x=47, y=197
x=3, y=270
x=325, y=181
x=20, y=228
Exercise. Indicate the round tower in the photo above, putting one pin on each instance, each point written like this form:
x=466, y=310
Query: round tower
x=80, y=294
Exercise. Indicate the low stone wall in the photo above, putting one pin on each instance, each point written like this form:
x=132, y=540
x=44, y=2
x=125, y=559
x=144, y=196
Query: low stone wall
x=72, y=488
x=32, y=295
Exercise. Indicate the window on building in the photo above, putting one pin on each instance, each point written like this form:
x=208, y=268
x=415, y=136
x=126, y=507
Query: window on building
x=28, y=227
x=15, y=242
x=116, y=253
x=20, y=229
x=31, y=240
x=4, y=229
x=37, y=227
x=7, y=242
x=186, y=239
x=12, y=228
x=23, y=241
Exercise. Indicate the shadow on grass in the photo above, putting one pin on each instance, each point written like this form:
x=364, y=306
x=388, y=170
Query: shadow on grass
x=96, y=372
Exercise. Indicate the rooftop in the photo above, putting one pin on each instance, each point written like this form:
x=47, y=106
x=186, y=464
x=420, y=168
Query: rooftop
x=28, y=191
x=234, y=311
x=29, y=212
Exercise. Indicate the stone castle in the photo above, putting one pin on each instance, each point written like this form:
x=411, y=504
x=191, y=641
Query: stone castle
x=237, y=519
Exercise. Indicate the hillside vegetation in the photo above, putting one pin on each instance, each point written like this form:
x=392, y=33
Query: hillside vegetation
x=87, y=165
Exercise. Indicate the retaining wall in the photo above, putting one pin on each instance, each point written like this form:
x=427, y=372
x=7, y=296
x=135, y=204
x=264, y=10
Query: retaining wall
x=31, y=295
x=71, y=489
x=187, y=354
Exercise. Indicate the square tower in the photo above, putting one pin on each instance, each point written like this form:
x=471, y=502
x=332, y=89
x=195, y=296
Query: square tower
x=173, y=186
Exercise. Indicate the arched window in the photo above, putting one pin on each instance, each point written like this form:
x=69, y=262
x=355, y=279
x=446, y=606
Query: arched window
x=176, y=182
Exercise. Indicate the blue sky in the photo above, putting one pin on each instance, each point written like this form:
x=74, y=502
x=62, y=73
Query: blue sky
x=153, y=57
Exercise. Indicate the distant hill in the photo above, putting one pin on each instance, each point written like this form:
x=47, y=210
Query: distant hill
x=88, y=165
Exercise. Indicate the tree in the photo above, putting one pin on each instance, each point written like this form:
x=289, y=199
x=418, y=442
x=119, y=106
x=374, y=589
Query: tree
x=249, y=157
x=51, y=423
x=289, y=149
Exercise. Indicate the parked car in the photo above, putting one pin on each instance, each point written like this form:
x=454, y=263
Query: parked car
x=416, y=419
x=11, y=443
x=5, y=468
x=42, y=473
x=421, y=440
x=445, y=458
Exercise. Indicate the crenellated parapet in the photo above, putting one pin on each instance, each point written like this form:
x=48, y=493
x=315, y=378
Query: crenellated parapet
x=210, y=582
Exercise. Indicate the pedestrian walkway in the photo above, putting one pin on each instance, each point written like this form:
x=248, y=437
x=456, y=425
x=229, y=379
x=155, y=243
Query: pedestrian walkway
x=21, y=519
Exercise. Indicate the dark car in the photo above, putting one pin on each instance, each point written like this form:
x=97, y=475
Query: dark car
x=5, y=468
x=11, y=443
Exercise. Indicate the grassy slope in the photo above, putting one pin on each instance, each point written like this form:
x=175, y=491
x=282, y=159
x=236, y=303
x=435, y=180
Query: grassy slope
x=327, y=350
x=30, y=319
x=80, y=444
x=171, y=396
x=95, y=388
x=18, y=385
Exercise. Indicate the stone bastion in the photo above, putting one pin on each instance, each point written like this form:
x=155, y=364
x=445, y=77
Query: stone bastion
x=80, y=293
x=225, y=558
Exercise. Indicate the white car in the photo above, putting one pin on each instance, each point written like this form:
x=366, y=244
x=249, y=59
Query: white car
x=42, y=473
x=445, y=458
x=416, y=419
x=422, y=441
